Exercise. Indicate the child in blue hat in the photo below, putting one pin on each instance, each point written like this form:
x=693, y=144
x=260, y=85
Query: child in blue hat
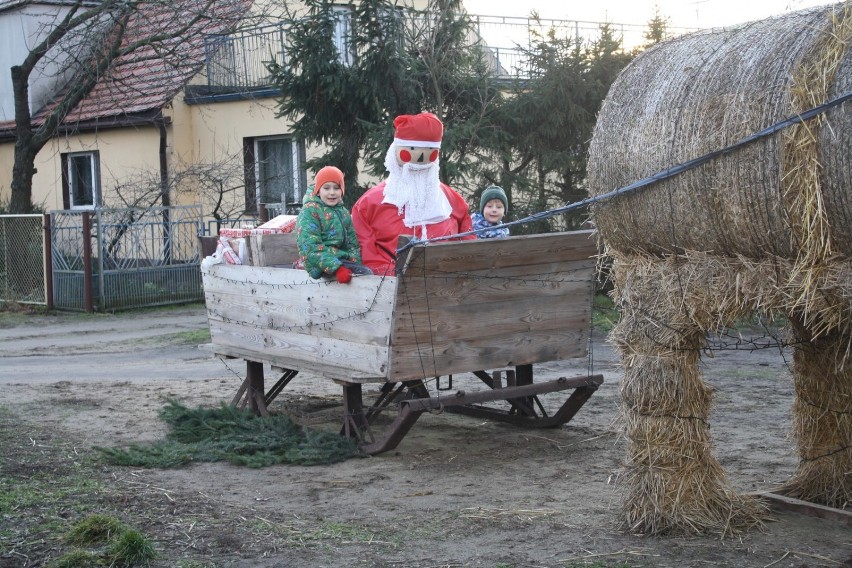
x=492, y=207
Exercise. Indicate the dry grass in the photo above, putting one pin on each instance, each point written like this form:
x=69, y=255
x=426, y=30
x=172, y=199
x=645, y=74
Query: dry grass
x=761, y=230
x=801, y=167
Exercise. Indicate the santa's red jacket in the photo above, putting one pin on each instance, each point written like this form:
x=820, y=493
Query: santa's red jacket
x=379, y=225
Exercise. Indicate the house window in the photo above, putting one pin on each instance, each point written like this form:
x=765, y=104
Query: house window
x=274, y=172
x=343, y=34
x=81, y=180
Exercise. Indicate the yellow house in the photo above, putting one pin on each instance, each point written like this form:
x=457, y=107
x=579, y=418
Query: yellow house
x=195, y=126
x=191, y=124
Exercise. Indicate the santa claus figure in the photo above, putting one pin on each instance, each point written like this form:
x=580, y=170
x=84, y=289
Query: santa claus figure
x=412, y=200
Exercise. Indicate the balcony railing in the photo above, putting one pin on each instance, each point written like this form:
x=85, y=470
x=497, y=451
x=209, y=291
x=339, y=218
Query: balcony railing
x=238, y=61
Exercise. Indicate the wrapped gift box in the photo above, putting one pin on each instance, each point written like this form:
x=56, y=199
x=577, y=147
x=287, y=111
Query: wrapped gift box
x=279, y=224
x=235, y=233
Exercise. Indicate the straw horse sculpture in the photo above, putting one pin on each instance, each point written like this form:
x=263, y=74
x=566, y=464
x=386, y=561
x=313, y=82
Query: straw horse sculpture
x=765, y=228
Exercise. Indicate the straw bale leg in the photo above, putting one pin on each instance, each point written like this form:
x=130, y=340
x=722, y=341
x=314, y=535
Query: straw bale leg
x=822, y=419
x=673, y=482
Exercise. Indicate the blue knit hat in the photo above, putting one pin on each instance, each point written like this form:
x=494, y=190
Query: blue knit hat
x=493, y=192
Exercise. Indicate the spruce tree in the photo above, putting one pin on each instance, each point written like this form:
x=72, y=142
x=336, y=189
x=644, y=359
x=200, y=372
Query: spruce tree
x=402, y=62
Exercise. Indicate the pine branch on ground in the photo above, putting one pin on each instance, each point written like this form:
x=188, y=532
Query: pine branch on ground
x=236, y=436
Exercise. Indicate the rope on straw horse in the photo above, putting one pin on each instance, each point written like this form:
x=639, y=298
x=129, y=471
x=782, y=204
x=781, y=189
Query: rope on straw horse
x=652, y=179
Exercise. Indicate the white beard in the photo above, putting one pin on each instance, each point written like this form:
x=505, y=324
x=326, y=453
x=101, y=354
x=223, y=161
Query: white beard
x=416, y=191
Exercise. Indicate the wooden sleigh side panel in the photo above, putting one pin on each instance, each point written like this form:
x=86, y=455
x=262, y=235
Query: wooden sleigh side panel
x=282, y=317
x=492, y=303
x=459, y=307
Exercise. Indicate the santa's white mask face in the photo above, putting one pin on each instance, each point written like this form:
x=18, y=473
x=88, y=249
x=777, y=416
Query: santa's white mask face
x=414, y=187
x=416, y=155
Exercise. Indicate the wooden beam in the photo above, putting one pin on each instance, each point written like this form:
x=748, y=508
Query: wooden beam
x=278, y=362
x=782, y=502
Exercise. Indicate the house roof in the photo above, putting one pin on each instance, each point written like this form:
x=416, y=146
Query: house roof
x=12, y=4
x=150, y=76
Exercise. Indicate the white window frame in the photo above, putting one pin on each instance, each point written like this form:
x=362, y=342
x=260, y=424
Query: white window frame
x=294, y=156
x=94, y=163
x=342, y=34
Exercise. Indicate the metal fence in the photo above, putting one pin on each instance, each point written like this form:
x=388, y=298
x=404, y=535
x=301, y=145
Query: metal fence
x=22, y=267
x=275, y=209
x=238, y=61
x=109, y=259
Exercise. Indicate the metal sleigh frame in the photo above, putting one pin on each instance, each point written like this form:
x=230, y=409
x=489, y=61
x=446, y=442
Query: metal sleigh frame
x=412, y=399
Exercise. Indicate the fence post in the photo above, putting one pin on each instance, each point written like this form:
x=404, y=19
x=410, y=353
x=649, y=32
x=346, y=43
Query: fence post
x=87, y=262
x=47, y=247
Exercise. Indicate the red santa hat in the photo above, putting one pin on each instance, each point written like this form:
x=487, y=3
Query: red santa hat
x=327, y=174
x=422, y=130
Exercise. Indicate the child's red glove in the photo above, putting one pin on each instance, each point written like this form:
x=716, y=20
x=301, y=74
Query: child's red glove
x=344, y=275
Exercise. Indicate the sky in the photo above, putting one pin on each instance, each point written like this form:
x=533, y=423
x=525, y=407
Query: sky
x=681, y=13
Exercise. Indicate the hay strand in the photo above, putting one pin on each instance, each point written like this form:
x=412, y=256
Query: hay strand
x=800, y=163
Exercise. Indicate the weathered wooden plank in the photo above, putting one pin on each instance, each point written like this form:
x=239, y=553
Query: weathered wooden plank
x=371, y=326
x=474, y=289
x=563, y=270
x=783, y=502
x=299, y=351
x=295, y=287
x=463, y=256
x=447, y=357
x=461, y=322
x=258, y=308
x=276, y=249
x=302, y=311
x=327, y=371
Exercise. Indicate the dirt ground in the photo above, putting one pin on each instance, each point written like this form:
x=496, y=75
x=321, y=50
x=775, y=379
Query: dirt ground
x=457, y=492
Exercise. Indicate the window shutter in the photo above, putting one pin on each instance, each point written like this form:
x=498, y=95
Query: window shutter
x=303, y=174
x=66, y=196
x=249, y=176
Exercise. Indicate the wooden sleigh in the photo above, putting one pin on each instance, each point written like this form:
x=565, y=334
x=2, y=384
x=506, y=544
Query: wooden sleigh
x=454, y=307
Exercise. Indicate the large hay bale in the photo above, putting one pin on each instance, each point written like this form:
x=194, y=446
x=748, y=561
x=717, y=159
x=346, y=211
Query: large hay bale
x=702, y=92
x=765, y=227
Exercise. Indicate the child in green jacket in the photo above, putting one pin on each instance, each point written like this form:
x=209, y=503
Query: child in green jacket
x=324, y=233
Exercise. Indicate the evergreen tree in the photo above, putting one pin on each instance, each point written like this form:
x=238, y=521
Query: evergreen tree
x=546, y=125
x=402, y=63
x=657, y=29
x=529, y=135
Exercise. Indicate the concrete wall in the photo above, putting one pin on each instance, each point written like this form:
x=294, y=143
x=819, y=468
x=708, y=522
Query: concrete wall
x=21, y=29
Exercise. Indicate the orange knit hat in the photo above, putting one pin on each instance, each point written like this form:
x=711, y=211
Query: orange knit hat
x=327, y=174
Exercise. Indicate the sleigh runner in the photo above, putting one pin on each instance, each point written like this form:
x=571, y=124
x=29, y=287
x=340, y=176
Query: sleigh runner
x=455, y=307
